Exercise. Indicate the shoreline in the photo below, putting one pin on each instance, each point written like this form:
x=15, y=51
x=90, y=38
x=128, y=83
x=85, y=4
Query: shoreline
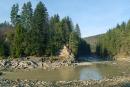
x=33, y=63
x=36, y=63
x=114, y=82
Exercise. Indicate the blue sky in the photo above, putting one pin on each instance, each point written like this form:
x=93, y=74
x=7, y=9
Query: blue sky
x=93, y=16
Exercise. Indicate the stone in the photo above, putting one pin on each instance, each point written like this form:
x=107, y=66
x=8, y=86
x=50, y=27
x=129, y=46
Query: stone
x=66, y=55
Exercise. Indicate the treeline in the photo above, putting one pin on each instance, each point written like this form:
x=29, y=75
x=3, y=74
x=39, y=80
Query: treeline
x=115, y=42
x=34, y=33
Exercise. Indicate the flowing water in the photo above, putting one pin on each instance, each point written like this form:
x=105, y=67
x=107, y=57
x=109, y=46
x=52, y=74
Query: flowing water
x=96, y=71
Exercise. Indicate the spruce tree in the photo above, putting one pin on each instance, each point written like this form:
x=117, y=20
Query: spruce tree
x=54, y=39
x=14, y=14
x=67, y=27
x=77, y=30
x=17, y=45
x=39, y=33
x=26, y=22
x=73, y=43
x=26, y=16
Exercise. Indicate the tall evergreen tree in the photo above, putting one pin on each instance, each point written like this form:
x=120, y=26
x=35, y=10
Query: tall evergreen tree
x=14, y=14
x=73, y=43
x=17, y=46
x=40, y=30
x=26, y=22
x=55, y=37
x=26, y=16
x=67, y=27
x=77, y=30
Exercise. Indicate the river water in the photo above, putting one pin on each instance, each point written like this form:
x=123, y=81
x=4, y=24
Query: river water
x=96, y=71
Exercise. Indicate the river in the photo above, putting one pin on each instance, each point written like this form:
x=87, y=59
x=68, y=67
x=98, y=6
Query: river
x=93, y=71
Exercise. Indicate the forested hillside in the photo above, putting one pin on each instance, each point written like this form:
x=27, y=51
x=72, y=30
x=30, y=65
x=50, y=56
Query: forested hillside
x=92, y=41
x=115, y=42
x=35, y=33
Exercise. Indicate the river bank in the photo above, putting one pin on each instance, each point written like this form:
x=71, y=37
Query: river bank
x=34, y=63
x=27, y=63
x=114, y=82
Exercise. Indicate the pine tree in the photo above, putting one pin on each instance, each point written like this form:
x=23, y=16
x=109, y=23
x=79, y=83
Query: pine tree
x=26, y=22
x=73, y=43
x=67, y=27
x=54, y=39
x=26, y=16
x=77, y=30
x=39, y=31
x=14, y=14
x=17, y=45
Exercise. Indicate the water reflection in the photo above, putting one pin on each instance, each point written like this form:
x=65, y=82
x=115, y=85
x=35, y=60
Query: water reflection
x=90, y=74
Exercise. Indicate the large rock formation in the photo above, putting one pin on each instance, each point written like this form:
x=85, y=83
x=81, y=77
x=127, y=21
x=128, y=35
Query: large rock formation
x=66, y=55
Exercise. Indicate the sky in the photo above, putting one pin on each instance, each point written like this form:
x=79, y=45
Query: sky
x=93, y=16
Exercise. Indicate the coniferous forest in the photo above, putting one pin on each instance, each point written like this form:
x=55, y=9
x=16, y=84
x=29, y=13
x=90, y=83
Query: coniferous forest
x=116, y=42
x=33, y=32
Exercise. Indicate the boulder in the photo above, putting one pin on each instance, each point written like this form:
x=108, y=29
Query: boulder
x=6, y=63
x=66, y=55
x=23, y=64
x=14, y=64
x=27, y=64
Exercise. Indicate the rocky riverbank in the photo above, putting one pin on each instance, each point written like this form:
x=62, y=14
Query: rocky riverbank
x=32, y=63
x=115, y=82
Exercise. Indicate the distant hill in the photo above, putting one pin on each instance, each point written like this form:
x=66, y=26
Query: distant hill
x=92, y=40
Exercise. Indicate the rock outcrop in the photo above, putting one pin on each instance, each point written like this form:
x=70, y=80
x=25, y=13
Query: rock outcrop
x=66, y=55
